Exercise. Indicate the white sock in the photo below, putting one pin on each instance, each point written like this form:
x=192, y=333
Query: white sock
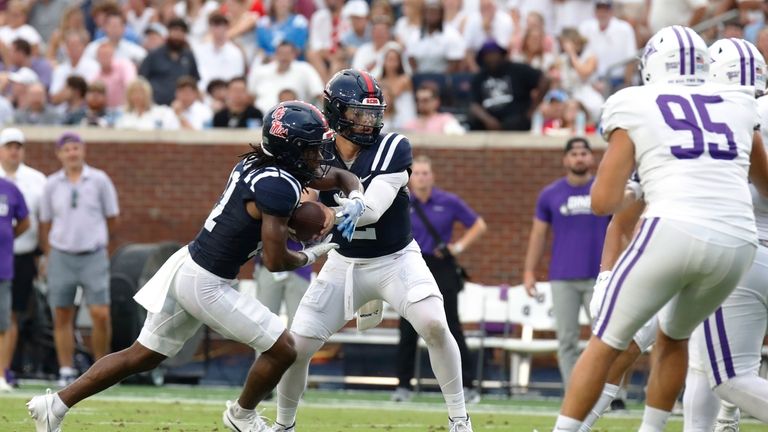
x=567, y=424
x=700, y=403
x=748, y=392
x=241, y=413
x=427, y=317
x=292, y=385
x=67, y=371
x=58, y=407
x=654, y=420
x=728, y=412
x=609, y=394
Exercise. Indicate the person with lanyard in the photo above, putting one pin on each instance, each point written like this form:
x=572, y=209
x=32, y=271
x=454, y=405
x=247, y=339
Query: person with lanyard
x=433, y=214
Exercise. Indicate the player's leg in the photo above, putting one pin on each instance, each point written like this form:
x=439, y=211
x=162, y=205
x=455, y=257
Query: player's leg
x=566, y=304
x=405, y=360
x=319, y=315
x=700, y=403
x=94, y=278
x=728, y=417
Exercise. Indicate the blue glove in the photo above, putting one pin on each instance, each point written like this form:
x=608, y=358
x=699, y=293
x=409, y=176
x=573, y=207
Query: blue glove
x=351, y=210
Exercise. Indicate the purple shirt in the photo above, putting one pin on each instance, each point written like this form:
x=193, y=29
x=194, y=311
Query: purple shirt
x=442, y=209
x=577, y=233
x=12, y=207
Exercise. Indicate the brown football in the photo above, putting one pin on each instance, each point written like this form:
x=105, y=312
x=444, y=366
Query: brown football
x=307, y=220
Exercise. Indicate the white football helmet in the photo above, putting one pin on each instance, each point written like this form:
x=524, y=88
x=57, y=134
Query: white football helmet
x=736, y=61
x=675, y=55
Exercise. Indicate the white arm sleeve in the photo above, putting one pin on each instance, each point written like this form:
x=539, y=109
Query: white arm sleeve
x=380, y=194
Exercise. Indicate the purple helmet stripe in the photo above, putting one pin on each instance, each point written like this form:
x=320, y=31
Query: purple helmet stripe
x=711, y=352
x=743, y=61
x=752, y=66
x=682, y=49
x=724, y=346
x=692, y=53
x=623, y=276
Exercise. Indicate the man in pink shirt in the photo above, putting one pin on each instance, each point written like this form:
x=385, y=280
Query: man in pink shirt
x=116, y=73
x=429, y=119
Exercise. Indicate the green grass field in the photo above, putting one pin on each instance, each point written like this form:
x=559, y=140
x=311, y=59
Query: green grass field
x=198, y=409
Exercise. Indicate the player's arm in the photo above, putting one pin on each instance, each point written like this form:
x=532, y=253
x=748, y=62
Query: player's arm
x=620, y=231
x=340, y=179
x=536, y=243
x=618, y=162
x=276, y=256
x=380, y=194
x=21, y=226
x=758, y=165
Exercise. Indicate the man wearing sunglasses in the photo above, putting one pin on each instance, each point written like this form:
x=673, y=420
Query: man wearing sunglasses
x=78, y=212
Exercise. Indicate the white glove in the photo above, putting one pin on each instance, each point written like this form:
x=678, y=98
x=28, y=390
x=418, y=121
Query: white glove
x=598, y=293
x=351, y=209
x=317, y=250
x=634, y=187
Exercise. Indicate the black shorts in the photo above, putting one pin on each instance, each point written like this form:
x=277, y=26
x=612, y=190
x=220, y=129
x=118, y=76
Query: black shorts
x=24, y=272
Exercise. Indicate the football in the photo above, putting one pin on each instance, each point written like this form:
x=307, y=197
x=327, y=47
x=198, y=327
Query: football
x=307, y=221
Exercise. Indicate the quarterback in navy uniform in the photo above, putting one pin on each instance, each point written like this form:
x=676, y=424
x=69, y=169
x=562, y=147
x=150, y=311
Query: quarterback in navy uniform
x=194, y=286
x=381, y=261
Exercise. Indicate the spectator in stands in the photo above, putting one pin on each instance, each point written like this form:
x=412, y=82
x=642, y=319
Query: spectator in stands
x=97, y=111
x=116, y=73
x=19, y=82
x=571, y=13
x=563, y=208
x=114, y=28
x=359, y=32
x=436, y=49
x=635, y=13
x=762, y=42
x=218, y=58
x=216, y=95
x=504, y=92
x=367, y=56
x=154, y=36
x=287, y=95
x=34, y=108
x=197, y=14
x=430, y=119
x=142, y=113
x=757, y=24
x=612, y=41
x=433, y=215
x=101, y=12
x=78, y=215
x=489, y=23
x=72, y=20
x=326, y=28
x=191, y=112
x=14, y=220
x=75, y=109
x=242, y=22
x=535, y=48
x=408, y=26
x=382, y=9
x=732, y=29
x=575, y=72
x=559, y=113
x=45, y=15
x=31, y=182
x=670, y=12
x=454, y=16
x=281, y=25
x=20, y=55
x=16, y=26
x=285, y=71
x=75, y=64
x=394, y=76
x=139, y=15
x=238, y=112
x=165, y=65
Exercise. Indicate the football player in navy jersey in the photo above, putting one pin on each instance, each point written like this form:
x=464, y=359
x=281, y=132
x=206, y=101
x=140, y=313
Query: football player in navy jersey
x=195, y=285
x=378, y=260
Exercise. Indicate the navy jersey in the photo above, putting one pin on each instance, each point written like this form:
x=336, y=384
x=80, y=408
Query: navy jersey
x=390, y=154
x=230, y=235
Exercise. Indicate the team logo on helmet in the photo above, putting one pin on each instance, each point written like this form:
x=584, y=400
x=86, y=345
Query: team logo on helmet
x=278, y=129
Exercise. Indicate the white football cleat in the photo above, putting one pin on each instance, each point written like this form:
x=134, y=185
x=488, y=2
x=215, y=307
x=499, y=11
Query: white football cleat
x=41, y=410
x=254, y=423
x=727, y=426
x=459, y=425
x=4, y=386
x=277, y=427
x=401, y=394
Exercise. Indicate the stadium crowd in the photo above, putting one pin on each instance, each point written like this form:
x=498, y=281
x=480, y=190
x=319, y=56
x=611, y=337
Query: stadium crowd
x=445, y=66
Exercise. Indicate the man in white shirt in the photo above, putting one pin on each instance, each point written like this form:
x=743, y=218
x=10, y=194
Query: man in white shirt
x=75, y=64
x=114, y=28
x=326, y=27
x=613, y=41
x=16, y=26
x=367, y=56
x=671, y=12
x=476, y=32
x=192, y=113
x=31, y=182
x=218, y=58
x=284, y=72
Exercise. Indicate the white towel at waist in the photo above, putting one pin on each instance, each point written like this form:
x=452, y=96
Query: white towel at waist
x=152, y=295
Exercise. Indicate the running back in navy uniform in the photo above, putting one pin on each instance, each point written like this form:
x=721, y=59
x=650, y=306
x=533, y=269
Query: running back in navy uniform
x=392, y=232
x=230, y=236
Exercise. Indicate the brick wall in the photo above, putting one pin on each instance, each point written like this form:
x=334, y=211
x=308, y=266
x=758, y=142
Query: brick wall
x=166, y=190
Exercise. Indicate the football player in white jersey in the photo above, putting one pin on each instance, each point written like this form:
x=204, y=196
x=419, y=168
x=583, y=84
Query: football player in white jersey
x=698, y=232
x=725, y=349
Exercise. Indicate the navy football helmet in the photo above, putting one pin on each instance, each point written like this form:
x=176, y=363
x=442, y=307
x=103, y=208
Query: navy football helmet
x=294, y=134
x=354, y=105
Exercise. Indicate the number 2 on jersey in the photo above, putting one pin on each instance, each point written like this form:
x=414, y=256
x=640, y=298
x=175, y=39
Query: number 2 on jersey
x=689, y=122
